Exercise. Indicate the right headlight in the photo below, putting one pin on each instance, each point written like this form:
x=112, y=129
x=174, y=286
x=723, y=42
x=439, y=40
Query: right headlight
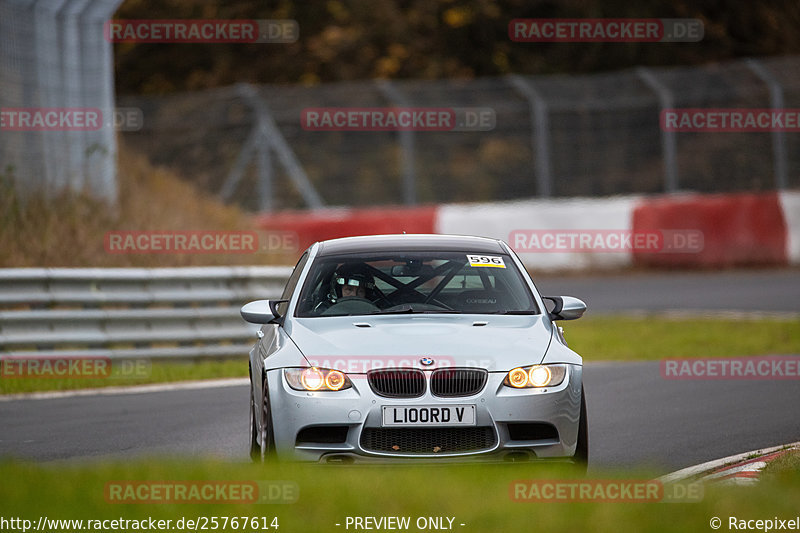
x=316, y=379
x=536, y=376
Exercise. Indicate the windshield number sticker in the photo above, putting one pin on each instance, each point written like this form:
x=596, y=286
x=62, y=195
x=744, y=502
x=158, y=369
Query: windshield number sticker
x=485, y=261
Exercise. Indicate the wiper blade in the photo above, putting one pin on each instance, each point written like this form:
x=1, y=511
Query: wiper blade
x=398, y=312
x=512, y=312
x=416, y=312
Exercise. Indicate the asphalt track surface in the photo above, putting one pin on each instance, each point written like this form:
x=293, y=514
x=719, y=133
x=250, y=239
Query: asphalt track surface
x=749, y=290
x=636, y=417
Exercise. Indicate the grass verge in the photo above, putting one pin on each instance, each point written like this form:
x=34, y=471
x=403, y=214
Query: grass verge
x=151, y=372
x=788, y=462
x=479, y=497
x=620, y=338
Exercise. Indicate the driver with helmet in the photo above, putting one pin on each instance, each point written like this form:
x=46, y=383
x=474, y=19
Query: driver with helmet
x=350, y=280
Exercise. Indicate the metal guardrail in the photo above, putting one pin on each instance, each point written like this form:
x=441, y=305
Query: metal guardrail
x=131, y=312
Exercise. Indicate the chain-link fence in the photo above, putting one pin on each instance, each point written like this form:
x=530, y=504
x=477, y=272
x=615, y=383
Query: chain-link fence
x=554, y=136
x=56, y=66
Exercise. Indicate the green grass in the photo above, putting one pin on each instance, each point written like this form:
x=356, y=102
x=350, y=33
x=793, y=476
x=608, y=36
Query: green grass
x=786, y=463
x=610, y=338
x=477, y=496
x=600, y=338
x=154, y=372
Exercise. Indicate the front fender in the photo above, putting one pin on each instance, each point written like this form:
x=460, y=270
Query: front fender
x=273, y=351
x=559, y=352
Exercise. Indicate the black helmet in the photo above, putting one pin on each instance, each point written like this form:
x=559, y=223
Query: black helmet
x=352, y=274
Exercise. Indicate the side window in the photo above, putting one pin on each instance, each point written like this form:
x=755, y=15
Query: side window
x=291, y=284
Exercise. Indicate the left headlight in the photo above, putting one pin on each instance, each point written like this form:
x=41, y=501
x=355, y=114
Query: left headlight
x=316, y=379
x=536, y=376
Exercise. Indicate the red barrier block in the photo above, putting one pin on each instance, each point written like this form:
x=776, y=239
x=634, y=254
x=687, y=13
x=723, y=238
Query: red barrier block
x=312, y=226
x=737, y=230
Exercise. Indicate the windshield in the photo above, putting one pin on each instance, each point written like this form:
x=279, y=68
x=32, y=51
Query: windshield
x=414, y=282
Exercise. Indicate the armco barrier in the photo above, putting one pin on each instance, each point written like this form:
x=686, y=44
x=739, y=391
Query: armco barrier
x=127, y=313
x=738, y=229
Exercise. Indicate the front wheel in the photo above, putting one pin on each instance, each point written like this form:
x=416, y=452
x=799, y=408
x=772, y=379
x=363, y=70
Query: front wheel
x=255, y=447
x=267, y=438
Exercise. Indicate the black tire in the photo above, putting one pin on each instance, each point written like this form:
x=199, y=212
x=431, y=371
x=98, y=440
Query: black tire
x=267, y=438
x=255, y=448
x=581, y=457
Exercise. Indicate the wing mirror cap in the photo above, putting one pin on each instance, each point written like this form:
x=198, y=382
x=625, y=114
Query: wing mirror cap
x=261, y=311
x=566, y=307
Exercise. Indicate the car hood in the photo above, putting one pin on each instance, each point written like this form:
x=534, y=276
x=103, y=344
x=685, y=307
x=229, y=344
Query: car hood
x=356, y=344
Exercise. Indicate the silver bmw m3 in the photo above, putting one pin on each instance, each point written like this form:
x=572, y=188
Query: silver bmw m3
x=414, y=347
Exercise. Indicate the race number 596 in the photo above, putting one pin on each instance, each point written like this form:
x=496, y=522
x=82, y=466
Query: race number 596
x=485, y=261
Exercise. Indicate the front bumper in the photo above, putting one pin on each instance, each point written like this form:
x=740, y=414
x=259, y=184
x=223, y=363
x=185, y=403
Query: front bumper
x=520, y=423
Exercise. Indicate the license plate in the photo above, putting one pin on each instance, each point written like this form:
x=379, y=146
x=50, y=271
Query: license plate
x=427, y=415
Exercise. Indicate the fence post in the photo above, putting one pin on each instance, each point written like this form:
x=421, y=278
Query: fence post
x=408, y=157
x=779, y=155
x=266, y=136
x=265, y=182
x=240, y=165
x=668, y=141
x=540, y=131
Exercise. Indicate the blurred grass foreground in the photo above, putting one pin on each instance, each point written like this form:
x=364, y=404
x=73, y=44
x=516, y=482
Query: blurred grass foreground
x=328, y=498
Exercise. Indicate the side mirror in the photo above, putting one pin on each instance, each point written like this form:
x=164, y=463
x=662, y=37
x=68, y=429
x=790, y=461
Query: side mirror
x=261, y=311
x=566, y=307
